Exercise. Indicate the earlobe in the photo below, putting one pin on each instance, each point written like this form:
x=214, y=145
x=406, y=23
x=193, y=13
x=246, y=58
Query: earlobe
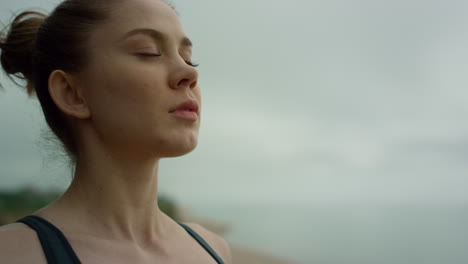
x=67, y=95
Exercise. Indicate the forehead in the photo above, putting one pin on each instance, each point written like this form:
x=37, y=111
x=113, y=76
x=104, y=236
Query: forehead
x=131, y=14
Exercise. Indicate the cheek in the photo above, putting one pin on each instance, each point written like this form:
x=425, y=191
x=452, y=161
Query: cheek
x=128, y=84
x=124, y=94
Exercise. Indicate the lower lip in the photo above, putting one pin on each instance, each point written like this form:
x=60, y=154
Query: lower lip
x=188, y=115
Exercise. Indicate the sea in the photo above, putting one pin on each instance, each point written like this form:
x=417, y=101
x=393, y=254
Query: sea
x=348, y=233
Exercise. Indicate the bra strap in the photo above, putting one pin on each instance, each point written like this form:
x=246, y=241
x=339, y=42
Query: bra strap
x=203, y=243
x=56, y=247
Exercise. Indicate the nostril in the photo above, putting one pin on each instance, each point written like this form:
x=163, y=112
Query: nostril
x=183, y=82
x=193, y=84
x=187, y=83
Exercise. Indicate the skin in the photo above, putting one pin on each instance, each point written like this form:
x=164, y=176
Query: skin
x=119, y=108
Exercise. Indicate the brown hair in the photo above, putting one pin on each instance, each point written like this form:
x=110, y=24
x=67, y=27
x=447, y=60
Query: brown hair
x=36, y=44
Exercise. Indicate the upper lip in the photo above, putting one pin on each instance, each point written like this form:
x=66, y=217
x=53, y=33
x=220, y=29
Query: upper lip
x=191, y=105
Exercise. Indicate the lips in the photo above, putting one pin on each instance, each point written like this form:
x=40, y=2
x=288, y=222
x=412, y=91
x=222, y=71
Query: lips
x=187, y=110
x=189, y=105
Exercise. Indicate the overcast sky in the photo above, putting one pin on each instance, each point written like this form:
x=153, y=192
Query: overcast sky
x=311, y=101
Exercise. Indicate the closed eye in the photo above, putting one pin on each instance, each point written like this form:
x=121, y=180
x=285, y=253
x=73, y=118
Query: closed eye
x=159, y=55
x=192, y=64
x=149, y=54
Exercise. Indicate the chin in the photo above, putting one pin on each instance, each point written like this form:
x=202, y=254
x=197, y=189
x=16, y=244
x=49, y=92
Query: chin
x=176, y=149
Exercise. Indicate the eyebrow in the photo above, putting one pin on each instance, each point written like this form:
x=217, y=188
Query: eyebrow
x=155, y=34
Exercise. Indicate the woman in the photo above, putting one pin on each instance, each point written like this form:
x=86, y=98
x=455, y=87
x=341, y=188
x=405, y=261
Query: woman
x=117, y=86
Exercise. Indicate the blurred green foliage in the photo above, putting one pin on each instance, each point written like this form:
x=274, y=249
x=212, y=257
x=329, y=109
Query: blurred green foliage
x=16, y=204
x=24, y=200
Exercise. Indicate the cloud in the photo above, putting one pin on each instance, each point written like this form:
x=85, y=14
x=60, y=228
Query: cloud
x=317, y=101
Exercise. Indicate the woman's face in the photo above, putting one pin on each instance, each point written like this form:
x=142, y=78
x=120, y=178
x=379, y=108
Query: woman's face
x=138, y=76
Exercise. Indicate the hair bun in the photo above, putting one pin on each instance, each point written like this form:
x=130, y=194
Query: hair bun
x=18, y=46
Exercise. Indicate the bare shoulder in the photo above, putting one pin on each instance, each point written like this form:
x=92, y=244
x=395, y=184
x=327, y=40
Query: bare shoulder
x=215, y=241
x=19, y=244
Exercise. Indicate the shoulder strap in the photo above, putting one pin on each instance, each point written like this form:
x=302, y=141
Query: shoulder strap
x=58, y=250
x=203, y=243
x=54, y=244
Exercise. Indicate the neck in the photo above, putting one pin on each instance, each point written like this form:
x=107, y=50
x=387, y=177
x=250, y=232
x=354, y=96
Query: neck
x=117, y=196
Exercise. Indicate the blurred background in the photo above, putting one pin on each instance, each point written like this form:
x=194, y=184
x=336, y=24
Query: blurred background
x=333, y=131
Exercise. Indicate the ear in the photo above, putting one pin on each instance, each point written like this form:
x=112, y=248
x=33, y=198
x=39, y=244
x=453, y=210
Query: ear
x=67, y=95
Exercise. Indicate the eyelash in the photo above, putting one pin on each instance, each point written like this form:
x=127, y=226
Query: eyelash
x=192, y=64
x=159, y=55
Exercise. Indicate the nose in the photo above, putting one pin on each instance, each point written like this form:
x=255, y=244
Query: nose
x=183, y=76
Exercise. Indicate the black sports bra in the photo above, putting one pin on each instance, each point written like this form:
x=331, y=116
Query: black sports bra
x=58, y=251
